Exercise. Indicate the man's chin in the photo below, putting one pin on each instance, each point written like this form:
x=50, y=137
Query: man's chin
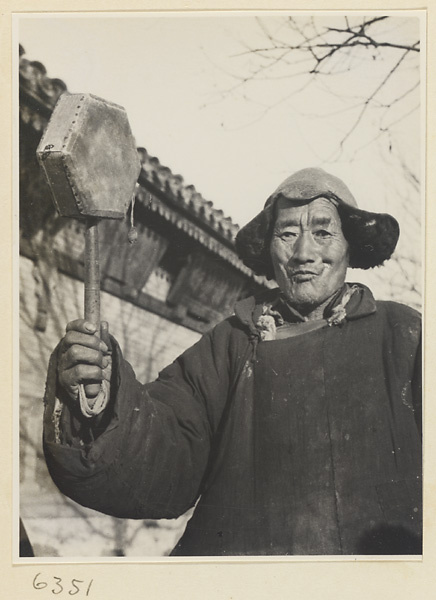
x=305, y=300
x=302, y=293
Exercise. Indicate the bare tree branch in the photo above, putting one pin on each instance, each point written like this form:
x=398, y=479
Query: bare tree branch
x=370, y=98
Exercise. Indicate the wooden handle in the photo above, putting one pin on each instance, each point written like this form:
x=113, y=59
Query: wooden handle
x=92, y=273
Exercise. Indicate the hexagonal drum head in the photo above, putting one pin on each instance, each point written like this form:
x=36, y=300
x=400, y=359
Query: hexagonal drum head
x=89, y=157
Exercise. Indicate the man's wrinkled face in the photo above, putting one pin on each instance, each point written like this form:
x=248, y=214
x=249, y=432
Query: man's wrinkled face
x=309, y=252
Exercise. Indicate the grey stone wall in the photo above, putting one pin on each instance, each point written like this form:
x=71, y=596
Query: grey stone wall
x=56, y=525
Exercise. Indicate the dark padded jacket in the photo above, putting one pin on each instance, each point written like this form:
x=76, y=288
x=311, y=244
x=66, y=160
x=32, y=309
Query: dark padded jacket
x=299, y=446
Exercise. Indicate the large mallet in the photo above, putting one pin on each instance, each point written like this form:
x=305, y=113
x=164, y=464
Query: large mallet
x=89, y=157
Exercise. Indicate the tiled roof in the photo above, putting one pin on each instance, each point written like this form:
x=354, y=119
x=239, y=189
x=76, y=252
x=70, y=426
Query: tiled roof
x=187, y=196
x=40, y=88
x=186, y=209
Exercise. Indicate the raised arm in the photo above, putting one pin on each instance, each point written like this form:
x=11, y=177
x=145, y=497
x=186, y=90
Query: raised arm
x=146, y=454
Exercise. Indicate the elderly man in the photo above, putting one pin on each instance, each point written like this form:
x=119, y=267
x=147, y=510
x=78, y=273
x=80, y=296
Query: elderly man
x=293, y=425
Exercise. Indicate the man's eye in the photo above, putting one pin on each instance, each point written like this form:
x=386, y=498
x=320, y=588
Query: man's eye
x=288, y=235
x=322, y=233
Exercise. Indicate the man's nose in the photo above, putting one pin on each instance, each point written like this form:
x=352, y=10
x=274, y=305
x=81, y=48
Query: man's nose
x=304, y=249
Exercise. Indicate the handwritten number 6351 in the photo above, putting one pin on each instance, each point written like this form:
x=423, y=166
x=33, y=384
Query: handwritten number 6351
x=72, y=587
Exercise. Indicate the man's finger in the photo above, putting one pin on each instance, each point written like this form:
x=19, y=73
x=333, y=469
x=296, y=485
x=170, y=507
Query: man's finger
x=81, y=354
x=81, y=325
x=73, y=338
x=70, y=378
x=92, y=390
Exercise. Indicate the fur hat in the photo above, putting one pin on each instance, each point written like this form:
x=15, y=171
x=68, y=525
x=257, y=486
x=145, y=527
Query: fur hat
x=371, y=237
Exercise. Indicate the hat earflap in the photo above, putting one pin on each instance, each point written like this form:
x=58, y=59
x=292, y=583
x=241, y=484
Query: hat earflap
x=372, y=237
x=252, y=242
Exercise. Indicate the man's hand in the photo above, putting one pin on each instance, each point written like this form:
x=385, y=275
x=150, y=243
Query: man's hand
x=84, y=358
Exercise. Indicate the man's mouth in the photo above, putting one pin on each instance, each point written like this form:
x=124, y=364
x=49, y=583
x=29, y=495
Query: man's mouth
x=303, y=275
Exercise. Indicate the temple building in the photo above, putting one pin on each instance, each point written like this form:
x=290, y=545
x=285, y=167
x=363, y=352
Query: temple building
x=159, y=295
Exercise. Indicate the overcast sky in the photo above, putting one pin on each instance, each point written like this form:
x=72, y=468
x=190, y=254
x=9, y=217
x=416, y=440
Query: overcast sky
x=175, y=75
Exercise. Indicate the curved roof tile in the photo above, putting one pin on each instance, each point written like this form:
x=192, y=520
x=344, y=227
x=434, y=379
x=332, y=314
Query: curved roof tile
x=187, y=195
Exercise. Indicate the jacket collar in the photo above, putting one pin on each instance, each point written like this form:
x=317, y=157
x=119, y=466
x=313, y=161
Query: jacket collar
x=359, y=304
